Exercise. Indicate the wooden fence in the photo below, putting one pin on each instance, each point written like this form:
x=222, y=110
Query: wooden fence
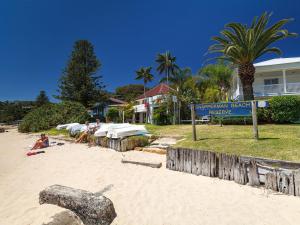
x=242, y=170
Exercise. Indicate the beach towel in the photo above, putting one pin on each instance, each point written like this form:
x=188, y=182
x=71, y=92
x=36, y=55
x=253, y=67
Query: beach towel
x=34, y=153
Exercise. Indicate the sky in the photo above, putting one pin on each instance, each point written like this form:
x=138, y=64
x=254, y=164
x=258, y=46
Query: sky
x=37, y=37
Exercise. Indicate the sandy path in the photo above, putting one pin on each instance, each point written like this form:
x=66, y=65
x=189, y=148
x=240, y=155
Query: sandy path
x=141, y=195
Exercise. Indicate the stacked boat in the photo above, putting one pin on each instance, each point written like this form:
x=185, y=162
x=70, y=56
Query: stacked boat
x=110, y=130
x=117, y=131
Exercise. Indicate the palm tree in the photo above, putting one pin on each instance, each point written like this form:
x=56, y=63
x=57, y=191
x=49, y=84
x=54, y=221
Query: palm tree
x=144, y=73
x=166, y=64
x=218, y=75
x=177, y=82
x=242, y=45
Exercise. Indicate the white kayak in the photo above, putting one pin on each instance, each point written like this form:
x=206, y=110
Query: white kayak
x=76, y=129
x=71, y=125
x=64, y=126
x=105, y=127
x=131, y=130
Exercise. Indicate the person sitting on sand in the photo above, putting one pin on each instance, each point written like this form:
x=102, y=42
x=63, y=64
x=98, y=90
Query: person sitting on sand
x=84, y=134
x=43, y=142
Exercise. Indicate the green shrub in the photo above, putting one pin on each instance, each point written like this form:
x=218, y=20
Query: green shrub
x=160, y=115
x=264, y=115
x=139, y=141
x=50, y=115
x=232, y=120
x=285, y=109
x=113, y=115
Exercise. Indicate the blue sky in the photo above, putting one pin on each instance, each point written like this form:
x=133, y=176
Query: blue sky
x=37, y=36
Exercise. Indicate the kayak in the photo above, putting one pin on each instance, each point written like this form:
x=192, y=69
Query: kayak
x=131, y=130
x=104, y=128
x=64, y=126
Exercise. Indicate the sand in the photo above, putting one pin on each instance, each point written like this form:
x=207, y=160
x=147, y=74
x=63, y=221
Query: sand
x=141, y=195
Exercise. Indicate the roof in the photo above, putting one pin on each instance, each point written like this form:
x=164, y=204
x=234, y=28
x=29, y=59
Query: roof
x=117, y=101
x=278, y=61
x=157, y=90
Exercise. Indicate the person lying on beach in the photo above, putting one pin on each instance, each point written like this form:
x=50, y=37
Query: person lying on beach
x=43, y=142
x=84, y=134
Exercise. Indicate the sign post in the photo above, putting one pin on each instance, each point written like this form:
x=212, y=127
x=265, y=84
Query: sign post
x=193, y=121
x=254, y=119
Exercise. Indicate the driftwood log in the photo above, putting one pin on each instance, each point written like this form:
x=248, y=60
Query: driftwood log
x=92, y=209
x=149, y=164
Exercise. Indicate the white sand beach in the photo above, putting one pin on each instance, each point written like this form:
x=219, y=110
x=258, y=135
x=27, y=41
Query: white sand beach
x=141, y=195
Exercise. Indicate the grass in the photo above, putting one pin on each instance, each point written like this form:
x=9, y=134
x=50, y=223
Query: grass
x=275, y=142
x=54, y=132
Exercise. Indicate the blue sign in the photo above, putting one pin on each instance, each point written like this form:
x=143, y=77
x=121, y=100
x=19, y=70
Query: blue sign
x=227, y=109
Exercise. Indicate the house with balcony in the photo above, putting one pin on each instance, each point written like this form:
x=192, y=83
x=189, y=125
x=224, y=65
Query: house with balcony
x=146, y=103
x=273, y=77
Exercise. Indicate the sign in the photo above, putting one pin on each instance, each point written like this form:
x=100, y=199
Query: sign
x=227, y=108
x=140, y=108
x=174, y=98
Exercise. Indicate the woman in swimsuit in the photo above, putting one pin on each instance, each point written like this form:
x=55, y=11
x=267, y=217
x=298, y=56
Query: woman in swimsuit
x=43, y=142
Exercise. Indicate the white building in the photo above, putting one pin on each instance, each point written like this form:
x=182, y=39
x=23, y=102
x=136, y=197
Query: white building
x=147, y=103
x=272, y=78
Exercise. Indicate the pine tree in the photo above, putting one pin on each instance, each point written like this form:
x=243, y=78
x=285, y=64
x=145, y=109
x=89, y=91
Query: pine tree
x=79, y=81
x=42, y=99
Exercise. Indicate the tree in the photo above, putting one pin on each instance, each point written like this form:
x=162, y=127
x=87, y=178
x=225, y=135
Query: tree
x=42, y=99
x=144, y=73
x=178, y=83
x=15, y=110
x=129, y=92
x=218, y=75
x=242, y=45
x=79, y=81
x=166, y=64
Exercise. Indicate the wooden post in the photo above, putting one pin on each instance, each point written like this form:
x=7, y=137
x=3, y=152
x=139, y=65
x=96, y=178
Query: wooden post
x=174, y=113
x=193, y=121
x=254, y=119
x=133, y=117
x=123, y=116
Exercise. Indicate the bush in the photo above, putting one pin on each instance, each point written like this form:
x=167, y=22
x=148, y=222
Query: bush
x=285, y=109
x=50, y=115
x=139, y=141
x=160, y=115
x=232, y=120
x=282, y=109
x=113, y=115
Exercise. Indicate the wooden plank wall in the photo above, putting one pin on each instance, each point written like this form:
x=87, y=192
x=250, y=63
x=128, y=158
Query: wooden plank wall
x=235, y=168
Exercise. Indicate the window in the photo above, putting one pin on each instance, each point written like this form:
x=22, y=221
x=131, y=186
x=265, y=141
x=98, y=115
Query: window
x=271, y=81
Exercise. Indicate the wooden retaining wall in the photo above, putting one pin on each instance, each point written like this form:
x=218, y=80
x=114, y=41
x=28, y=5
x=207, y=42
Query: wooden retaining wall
x=120, y=145
x=242, y=170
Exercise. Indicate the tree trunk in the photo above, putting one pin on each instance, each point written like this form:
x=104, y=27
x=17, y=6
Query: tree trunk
x=179, y=113
x=246, y=73
x=145, y=102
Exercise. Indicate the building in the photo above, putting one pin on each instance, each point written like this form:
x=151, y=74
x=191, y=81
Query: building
x=147, y=102
x=100, y=110
x=272, y=78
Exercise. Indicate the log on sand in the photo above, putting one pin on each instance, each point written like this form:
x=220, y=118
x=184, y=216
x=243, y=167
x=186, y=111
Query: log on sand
x=150, y=164
x=91, y=208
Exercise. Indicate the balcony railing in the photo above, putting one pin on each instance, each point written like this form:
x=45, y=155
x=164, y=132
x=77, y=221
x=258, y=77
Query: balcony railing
x=293, y=87
x=276, y=89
